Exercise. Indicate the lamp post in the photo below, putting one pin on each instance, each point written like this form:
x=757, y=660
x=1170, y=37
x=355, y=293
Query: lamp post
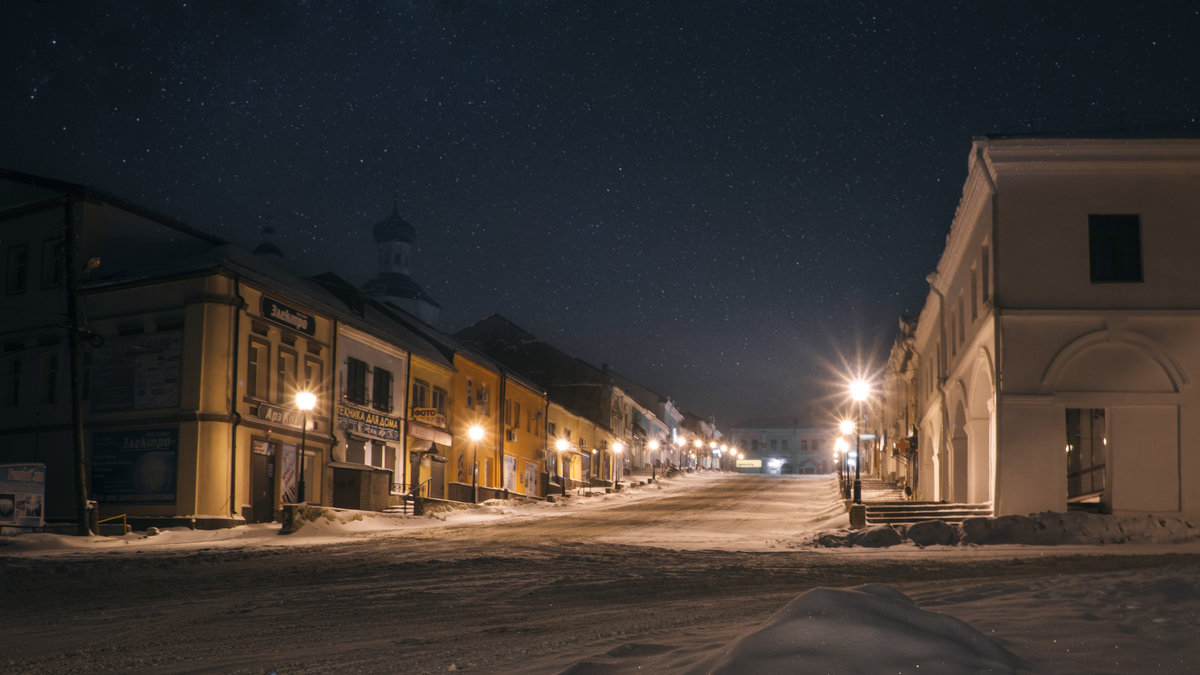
x=305, y=401
x=561, y=445
x=475, y=433
x=859, y=390
x=654, y=461
x=840, y=448
x=617, y=448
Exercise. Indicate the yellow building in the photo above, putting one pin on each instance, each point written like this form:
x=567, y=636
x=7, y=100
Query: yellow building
x=578, y=447
x=428, y=438
x=524, y=437
x=471, y=473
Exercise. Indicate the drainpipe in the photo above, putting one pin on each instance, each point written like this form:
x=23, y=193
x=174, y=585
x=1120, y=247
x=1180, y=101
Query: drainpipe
x=239, y=303
x=501, y=438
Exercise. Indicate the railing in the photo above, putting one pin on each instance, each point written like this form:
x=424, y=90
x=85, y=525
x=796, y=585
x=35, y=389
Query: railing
x=124, y=524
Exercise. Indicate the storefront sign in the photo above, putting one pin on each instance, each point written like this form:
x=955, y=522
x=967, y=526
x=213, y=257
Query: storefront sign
x=276, y=415
x=135, y=466
x=417, y=430
x=368, y=423
x=749, y=464
x=292, y=318
x=429, y=416
x=22, y=495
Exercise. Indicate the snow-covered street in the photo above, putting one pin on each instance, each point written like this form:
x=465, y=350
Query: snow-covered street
x=696, y=573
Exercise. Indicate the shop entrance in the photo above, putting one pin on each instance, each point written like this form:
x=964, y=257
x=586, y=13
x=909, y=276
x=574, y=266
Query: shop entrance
x=262, y=482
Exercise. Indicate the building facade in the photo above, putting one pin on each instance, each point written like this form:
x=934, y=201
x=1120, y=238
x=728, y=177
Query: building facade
x=1059, y=339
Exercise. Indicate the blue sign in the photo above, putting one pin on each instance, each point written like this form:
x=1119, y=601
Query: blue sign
x=135, y=466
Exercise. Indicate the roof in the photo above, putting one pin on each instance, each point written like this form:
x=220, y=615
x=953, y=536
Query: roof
x=397, y=285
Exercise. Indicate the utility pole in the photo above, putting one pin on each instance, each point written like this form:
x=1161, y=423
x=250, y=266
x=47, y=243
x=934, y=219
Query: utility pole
x=75, y=356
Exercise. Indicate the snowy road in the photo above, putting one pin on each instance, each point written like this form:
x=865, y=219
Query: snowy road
x=657, y=580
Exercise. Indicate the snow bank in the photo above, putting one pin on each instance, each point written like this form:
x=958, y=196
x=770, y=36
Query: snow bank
x=873, y=628
x=1042, y=529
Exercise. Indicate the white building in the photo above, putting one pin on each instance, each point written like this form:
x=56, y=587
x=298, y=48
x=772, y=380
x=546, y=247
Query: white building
x=1062, y=329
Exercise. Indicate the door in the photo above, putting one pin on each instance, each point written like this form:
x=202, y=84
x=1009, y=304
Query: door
x=437, y=486
x=262, y=483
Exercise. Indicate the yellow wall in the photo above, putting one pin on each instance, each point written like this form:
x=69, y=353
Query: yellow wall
x=524, y=438
x=435, y=375
x=470, y=411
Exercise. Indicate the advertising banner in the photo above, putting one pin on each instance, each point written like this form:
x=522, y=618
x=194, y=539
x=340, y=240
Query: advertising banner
x=749, y=464
x=136, y=372
x=22, y=495
x=368, y=423
x=135, y=466
x=289, y=476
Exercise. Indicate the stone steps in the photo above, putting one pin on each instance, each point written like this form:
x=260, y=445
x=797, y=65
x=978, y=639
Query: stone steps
x=904, y=512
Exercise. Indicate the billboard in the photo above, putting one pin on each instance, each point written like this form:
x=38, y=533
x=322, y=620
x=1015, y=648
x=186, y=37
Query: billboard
x=22, y=495
x=135, y=466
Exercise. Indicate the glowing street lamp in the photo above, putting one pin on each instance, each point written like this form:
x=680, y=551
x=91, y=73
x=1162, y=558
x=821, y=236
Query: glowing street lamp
x=617, y=448
x=859, y=391
x=562, y=445
x=475, y=433
x=305, y=401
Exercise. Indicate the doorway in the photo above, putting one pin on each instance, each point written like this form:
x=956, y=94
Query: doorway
x=262, y=482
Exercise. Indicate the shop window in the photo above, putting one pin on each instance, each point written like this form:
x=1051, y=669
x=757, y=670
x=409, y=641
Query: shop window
x=1115, y=243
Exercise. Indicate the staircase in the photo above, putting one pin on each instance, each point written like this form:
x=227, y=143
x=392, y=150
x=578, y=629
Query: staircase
x=886, y=504
x=907, y=513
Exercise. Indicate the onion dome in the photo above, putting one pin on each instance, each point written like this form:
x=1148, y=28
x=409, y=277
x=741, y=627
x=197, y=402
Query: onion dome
x=393, y=228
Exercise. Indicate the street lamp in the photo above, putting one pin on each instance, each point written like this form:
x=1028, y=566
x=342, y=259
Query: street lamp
x=561, y=445
x=305, y=401
x=840, y=448
x=859, y=390
x=654, y=461
x=475, y=433
x=617, y=448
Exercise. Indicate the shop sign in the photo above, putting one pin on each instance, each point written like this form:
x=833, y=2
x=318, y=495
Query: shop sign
x=429, y=416
x=284, y=315
x=22, y=495
x=749, y=464
x=368, y=423
x=277, y=415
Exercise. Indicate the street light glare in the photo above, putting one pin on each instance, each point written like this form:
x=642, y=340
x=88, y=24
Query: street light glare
x=306, y=400
x=846, y=426
x=618, y=446
x=475, y=432
x=561, y=444
x=859, y=390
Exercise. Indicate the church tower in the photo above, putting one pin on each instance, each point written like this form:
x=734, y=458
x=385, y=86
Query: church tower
x=393, y=285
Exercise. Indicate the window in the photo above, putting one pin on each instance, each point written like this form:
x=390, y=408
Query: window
x=52, y=262
x=257, y=373
x=1086, y=446
x=49, y=378
x=17, y=270
x=984, y=279
x=440, y=397
x=1115, y=243
x=483, y=400
x=285, y=383
x=420, y=394
x=12, y=382
x=356, y=381
x=470, y=398
x=313, y=372
x=552, y=429
x=381, y=390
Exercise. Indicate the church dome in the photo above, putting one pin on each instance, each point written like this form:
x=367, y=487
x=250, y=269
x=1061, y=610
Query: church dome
x=393, y=228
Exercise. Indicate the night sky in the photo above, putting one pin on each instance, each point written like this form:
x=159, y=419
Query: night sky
x=727, y=202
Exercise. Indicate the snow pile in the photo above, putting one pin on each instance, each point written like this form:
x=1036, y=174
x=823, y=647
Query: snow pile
x=1042, y=529
x=873, y=628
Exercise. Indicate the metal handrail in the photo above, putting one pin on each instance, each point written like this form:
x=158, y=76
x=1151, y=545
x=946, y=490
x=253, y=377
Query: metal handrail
x=124, y=524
